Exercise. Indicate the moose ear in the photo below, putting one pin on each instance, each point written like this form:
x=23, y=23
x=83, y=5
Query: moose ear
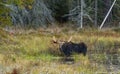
x=70, y=39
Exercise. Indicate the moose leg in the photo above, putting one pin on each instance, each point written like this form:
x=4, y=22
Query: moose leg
x=84, y=53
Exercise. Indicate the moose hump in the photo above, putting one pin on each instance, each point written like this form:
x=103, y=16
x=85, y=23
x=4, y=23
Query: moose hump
x=68, y=47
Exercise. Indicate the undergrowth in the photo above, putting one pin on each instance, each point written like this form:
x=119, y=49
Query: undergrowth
x=32, y=51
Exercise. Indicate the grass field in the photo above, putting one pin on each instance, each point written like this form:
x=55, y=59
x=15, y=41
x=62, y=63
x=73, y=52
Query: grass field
x=32, y=52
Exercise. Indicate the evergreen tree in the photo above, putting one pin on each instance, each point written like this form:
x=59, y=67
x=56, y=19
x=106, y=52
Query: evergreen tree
x=59, y=9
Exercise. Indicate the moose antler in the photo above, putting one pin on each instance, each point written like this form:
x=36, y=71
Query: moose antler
x=60, y=42
x=70, y=39
x=54, y=39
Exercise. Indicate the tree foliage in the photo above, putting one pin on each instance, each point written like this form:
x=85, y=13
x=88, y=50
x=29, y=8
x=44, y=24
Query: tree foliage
x=57, y=9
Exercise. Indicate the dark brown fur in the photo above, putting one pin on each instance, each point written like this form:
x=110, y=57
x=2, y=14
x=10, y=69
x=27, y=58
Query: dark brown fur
x=68, y=48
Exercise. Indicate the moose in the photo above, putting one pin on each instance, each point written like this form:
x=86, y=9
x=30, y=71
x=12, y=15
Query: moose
x=68, y=47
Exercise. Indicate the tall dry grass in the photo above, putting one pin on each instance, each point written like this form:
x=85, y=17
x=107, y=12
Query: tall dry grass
x=32, y=51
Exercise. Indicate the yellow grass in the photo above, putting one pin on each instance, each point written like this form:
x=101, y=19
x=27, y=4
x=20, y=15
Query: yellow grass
x=32, y=51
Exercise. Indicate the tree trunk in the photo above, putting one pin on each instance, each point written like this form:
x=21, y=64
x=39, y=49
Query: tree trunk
x=96, y=13
x=106, y=9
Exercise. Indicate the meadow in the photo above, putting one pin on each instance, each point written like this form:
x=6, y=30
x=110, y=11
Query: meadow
x=32, y=51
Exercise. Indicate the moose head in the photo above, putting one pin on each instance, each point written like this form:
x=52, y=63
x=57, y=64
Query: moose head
x=68, y=47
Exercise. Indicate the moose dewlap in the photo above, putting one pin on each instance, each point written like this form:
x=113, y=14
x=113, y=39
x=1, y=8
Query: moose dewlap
x=68, y=47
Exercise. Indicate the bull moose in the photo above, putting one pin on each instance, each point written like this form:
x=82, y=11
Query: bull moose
x=68, y=47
